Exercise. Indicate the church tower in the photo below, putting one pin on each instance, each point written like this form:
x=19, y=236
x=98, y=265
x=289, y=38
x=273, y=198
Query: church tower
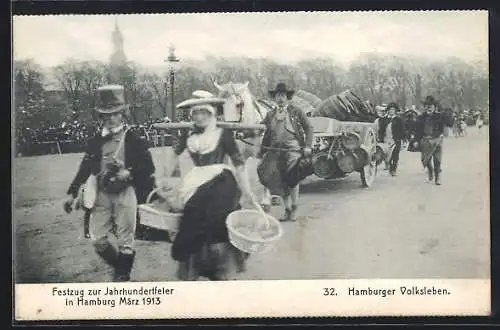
x=118, y=59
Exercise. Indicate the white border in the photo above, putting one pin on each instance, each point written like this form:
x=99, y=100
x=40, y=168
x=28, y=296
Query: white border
x=246, y=299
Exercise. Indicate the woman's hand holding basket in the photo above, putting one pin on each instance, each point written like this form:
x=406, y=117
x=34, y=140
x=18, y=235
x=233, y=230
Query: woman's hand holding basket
x=68, y=204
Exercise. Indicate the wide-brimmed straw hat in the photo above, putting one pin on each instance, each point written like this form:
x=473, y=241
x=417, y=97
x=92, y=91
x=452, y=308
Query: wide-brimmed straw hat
x=281, y=88
x=200, y=97
x=111, y=99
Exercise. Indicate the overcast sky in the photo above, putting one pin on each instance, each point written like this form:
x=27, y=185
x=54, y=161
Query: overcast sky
x=285, y=37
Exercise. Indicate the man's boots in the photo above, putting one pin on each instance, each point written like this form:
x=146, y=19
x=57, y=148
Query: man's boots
x=106, y=251
x=430, y=174
x=293, y=213
x=290, y=214
x=124, y=266
x=86, y=224
x=438, y=179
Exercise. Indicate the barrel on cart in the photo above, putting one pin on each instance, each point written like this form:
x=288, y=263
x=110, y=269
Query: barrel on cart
x=340, y=148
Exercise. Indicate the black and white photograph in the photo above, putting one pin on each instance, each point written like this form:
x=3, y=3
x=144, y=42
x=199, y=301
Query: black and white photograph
x=237, y=148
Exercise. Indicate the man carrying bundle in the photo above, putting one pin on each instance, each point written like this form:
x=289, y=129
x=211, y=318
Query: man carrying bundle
x=286, y=146
x=430, y=134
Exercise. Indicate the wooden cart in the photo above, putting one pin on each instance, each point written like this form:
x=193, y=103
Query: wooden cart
x=340, y=148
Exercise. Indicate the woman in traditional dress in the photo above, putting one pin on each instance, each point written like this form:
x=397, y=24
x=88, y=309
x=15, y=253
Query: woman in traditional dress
x=209, y=193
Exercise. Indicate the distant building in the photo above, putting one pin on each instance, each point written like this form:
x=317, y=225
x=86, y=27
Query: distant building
x=118, y=59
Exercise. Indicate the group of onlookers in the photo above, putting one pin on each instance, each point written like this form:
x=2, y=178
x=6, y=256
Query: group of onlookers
x=66, y=138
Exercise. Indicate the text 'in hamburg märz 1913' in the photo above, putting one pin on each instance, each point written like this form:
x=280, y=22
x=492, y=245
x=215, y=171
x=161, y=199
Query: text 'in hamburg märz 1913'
x=112, y=296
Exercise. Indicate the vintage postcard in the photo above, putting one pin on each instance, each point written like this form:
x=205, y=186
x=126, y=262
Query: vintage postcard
x=232, y=165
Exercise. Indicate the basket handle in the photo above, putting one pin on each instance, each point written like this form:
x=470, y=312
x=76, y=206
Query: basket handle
x=262, y=213
x=148, y=199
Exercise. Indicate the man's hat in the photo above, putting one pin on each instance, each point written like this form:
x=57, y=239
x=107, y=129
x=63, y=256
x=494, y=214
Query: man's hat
x=281, y=88
x=429, y=100
x=111, y=99
x=200, y=97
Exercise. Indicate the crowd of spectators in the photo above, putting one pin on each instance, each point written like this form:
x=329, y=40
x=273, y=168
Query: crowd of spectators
x=69, y=137
x=72, y=136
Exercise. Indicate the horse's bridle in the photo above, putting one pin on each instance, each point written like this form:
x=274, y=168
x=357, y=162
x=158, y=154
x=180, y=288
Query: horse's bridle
x=240, y=102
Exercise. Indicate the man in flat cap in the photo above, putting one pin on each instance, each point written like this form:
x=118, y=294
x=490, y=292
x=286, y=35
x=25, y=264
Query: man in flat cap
x=124, y=169
x=430, y=134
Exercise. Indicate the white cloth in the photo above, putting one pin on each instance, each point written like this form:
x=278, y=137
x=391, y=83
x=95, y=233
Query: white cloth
x=205, y=142
x=388, y=144
x=90, y=192
x=198, y=176
x=202, y=143
x=106, y=131
x=388, y=135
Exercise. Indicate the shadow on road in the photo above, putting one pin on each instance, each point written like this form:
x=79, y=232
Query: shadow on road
x=333, y=186
x=152, y=235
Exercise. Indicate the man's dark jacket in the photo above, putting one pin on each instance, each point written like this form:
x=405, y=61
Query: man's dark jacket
x=397, y=128
x=138, y=161
x=301, y=125
x=438, y=122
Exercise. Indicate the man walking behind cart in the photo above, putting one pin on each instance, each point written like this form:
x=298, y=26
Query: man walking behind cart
x=391, y=130
x=288, y=137
x=123, y=167
x=430, y=134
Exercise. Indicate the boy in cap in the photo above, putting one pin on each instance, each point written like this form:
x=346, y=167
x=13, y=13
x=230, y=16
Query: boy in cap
x=124, y=169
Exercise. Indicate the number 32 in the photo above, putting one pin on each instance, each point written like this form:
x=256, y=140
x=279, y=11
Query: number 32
x=329, y=292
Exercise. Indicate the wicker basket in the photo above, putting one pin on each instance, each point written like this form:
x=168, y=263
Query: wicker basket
x=242, y=241
x=152, y=217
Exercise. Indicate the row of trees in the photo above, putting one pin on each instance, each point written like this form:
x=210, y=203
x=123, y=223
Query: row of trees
x=375, y=77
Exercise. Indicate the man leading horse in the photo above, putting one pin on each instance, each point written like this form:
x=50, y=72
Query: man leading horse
x=286, y=142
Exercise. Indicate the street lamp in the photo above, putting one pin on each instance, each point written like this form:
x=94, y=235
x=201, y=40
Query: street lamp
x=172, y=59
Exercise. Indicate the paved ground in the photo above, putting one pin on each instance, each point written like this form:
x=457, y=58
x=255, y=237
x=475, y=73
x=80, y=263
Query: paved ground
x=402, y=227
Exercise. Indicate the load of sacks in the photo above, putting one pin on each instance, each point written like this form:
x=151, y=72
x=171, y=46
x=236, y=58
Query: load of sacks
x=345, y=106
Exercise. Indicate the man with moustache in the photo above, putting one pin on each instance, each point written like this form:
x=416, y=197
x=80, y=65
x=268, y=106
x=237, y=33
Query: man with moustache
x=288, y=138
x=124, y=171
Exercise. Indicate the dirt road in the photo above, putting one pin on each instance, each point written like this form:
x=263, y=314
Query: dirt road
x=402, y=227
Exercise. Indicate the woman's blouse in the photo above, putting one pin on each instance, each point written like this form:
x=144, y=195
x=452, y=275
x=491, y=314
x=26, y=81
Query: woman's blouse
x=226, y=146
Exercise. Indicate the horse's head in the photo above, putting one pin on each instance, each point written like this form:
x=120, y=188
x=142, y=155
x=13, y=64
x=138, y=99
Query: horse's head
x=239, y=105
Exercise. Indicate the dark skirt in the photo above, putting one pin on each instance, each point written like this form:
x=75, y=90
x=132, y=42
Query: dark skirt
x=202, y=245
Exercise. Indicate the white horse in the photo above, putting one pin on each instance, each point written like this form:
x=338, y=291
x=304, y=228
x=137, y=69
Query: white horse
x=242, y=107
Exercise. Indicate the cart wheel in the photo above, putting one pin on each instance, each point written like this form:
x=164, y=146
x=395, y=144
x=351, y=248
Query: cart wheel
x=369, y=172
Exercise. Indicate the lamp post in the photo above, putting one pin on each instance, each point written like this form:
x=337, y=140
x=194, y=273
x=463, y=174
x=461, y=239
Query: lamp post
x=172, y=59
